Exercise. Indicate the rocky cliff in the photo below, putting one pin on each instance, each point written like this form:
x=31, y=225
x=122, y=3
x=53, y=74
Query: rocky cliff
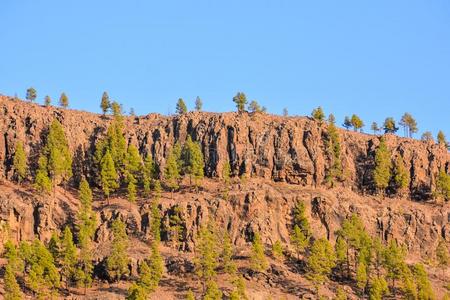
x=281, y=160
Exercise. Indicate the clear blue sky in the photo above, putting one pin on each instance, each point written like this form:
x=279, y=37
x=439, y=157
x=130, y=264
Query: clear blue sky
x=374, y=58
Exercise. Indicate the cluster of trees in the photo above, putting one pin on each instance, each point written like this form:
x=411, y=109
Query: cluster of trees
x=39, y=266
x=31, y=96
x=360, y=258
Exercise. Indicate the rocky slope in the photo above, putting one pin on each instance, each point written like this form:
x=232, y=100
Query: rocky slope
x=284, y=159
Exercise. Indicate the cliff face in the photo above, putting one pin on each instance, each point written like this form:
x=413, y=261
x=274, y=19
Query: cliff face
x=285, y=159
x=286, y=149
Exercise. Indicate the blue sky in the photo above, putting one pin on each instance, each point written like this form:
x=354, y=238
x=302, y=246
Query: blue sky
x=374, y=58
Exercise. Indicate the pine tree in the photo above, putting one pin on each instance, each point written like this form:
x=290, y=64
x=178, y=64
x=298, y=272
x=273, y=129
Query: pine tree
x=320, y=261
x=116, y=109
x=172, y=171
x=347, y=123
x=42, y=182
x=409, y=124
x=108, y=174
x=401, y=176
x=442, y=255
x=357, y=123
x=156, y=266
x=136, y=292
x=47, y=101
x=318, y=114
x=389, y=125
x=105, y=104
x=117, y=261
x=300, y=219
x=192, y=157
x=299, y=240
x=361, y=276
x=68, y=256
x=285, y=112
x=441, y=139
x=258, y=261
x=381, y=173
x=333, y=145
x=43, y=276
x=254, y=107
x=241, y=100
x=12, y=255
x=206, y=260
x=198, y=104
x=12, y=288
x=155, y=222
x=277, y=250
x=341, y=250
x=331, y=119
x=149, y=173
x=226, y=173
x=31, y=94
x=176, y=226
x=86, y=231
x=131, y=189
x=424, y=288
x=443, y=186
x=20, y=162
x=427, y=136
x=378, y=289
x=64, y=100
x=181, y=107
x=227, y=255
x=59, y=158
x=374, y=127
x=54, y=246
x=212, y=291
x=238, y=292
x=394, y=261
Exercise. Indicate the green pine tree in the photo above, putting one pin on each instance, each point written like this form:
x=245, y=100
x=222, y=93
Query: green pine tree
x=441, y=140
x=227, y=255
x=69, y=256
x=356, y=122
x=340, y=294
x=241, y=100
x=442, y=255
x=47, y=101
x=198, y=104
x=64, y=100
x=424, y=287
x=382, y=171
x=277, y=250
x=105, y=104
x=20, y=162
x=12, y=255
x=258, y=260
x=361, y=276
x=172, y=170
x=239, y=289
x=31, y=94
x=320, y=262
x=12, y=288
x=117, y=261
x=108, y=174
x=394, y=262
x=341, y=249
x=333, y=146
x=57, y=152
x=212, y=291
x=299, y=240
x=54, y=246
x=442, y=186
x=318, y=114
x=389, y=125
x=300, y=219
x=401, y=176
x=192, y=157
x=378, y=289
x=136, y=292
x=155, y=221
x=86, y=231
x=42, y=182
x=181, y=107
x=207, y=258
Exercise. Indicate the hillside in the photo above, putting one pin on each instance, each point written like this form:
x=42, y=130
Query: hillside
x=275, y=162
